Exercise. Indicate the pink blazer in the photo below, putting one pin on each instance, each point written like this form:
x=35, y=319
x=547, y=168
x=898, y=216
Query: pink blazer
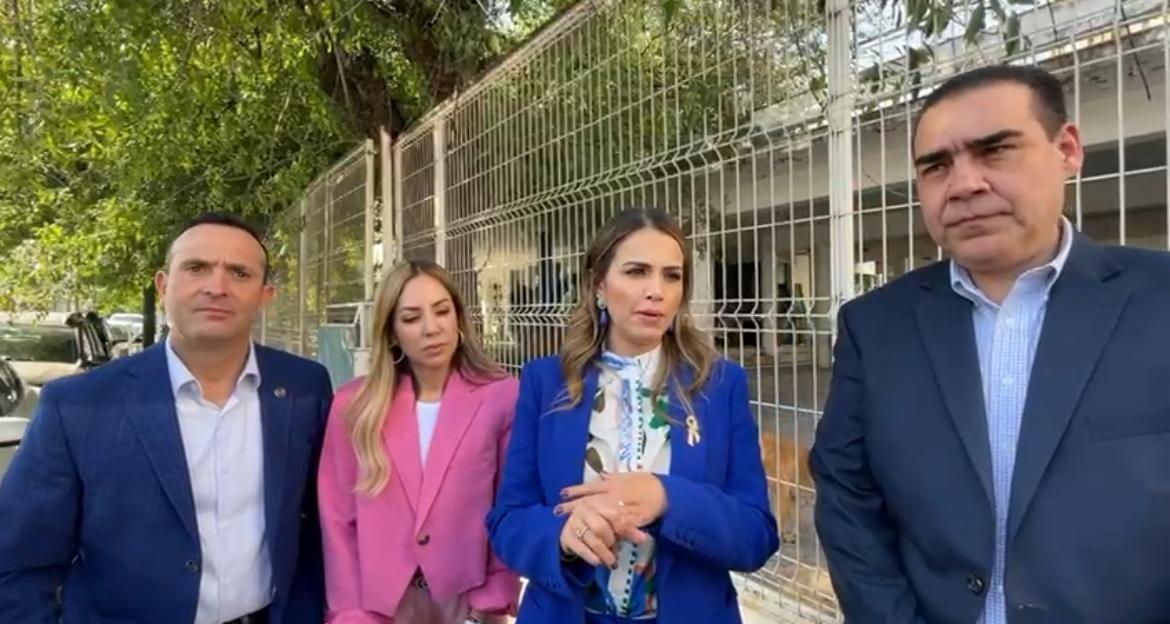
x=429, y=517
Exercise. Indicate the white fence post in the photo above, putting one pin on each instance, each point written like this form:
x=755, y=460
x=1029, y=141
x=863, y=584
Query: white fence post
x=440, y=198
x=388, y=183
x=840, y=86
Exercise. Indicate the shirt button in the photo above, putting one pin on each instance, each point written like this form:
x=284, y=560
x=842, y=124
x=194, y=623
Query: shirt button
x=192, y=566
x=424, y=539
x=1008, y=381
x=1010, y=322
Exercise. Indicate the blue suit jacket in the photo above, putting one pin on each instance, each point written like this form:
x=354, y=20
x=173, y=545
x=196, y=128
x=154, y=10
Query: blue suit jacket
x=718, y=517
x=902, y=460
x=98, y=498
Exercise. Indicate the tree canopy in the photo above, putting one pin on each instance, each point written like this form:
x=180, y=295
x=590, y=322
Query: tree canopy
x=119, y=119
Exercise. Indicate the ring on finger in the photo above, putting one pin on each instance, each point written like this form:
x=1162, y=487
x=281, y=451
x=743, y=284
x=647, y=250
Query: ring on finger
x=582, y=531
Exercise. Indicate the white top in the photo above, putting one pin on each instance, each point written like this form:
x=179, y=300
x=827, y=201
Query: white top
x=225, y=458
x=428, y=417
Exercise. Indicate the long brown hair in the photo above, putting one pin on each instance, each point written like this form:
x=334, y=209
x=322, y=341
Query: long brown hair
x=366, y=414
x=684, y=346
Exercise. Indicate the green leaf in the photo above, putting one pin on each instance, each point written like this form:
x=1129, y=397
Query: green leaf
x=997, y=8
x=942, y=16
x=915, y=11
x=670, y=10
x=975, y=25
x=1011, y=35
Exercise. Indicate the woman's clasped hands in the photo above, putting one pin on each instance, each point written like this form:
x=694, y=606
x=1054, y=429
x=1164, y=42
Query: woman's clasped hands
x=607, y=511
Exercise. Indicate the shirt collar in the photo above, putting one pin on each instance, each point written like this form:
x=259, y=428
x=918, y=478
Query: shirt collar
x=964, y=285
x=181, y=377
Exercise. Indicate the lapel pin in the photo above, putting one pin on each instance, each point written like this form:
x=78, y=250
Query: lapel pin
x=279, y=392
x=693, y=436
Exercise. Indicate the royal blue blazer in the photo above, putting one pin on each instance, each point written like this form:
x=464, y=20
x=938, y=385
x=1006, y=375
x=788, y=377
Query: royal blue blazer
x=718, y=518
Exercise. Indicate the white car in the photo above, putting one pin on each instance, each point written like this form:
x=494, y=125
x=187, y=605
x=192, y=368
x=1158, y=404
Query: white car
x=44, y=348
x=131, y=323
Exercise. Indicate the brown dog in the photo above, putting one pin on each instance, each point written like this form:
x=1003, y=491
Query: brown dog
x=786, y=463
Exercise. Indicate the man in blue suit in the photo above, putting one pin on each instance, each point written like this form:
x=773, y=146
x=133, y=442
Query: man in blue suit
x=996, y=443
x=177, y=485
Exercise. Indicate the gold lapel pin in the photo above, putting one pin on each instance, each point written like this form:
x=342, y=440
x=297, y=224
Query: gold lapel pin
x=279, y=392
x=693, y=436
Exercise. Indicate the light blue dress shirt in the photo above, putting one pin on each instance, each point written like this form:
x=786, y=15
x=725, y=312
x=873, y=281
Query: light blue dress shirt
x=225, y=458
x=1006, y=336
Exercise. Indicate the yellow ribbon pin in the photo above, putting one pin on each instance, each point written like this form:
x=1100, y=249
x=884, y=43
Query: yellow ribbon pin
x=693, y=430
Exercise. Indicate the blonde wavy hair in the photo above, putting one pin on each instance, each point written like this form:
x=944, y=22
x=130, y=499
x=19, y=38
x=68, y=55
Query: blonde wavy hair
x=366, y=414
x=683, y=346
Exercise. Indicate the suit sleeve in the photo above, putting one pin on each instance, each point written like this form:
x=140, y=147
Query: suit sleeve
x=337, y=478
x=501, y=590
x=856, y=533
x=40, y=507
x=729, y=526
x=523, y=529
x=308, y=587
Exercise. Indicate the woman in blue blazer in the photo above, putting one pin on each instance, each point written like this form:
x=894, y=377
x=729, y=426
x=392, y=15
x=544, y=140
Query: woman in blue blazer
x=633, y=484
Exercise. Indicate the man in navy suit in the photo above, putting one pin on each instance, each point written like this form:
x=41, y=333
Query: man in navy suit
x=996, y=443
x=176, y=485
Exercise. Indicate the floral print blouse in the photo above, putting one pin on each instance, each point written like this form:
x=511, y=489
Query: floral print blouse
x=628, y=432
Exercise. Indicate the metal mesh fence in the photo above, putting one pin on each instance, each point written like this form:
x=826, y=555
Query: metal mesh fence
x=779, y=135
x=322, y=256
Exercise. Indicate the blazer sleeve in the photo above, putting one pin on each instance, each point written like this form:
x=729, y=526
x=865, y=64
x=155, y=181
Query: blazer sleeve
x=336, y=480
x=524, y=531
x=500, y=592
x=40, y=508
x=857, y=535
x=307, y=595
x=731, y=525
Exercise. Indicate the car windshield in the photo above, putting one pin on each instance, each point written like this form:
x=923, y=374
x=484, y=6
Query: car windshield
x=38, y=343
x=126, y=318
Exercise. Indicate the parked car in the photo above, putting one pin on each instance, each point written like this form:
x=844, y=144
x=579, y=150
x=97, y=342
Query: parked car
x=13, y=409
x=128, y=323
x=42, y=348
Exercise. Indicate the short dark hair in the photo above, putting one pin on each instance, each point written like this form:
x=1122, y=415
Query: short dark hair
x=1047, y=92
x=221, y=218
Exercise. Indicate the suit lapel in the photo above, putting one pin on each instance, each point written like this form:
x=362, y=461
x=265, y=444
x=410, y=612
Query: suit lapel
x=686, y=459
x=948, y=333
x=401, y=439
x=150, y=406
x=1083, y=309
x=276, y=414
x=457, y=410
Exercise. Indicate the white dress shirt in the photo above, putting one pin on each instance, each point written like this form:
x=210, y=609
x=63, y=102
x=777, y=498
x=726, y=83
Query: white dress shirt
x=225, y=458
x=428, y=417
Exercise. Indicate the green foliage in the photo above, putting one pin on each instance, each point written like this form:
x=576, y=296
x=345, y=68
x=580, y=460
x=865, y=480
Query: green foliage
x=119, y=119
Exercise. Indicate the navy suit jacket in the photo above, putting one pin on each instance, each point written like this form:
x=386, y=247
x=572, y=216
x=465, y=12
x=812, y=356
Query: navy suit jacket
x=902, y=460
x=98, y=498
x=718, y=517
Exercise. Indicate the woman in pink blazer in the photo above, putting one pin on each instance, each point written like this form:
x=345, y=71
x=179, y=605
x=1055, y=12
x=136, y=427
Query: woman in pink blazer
x=411, y=459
